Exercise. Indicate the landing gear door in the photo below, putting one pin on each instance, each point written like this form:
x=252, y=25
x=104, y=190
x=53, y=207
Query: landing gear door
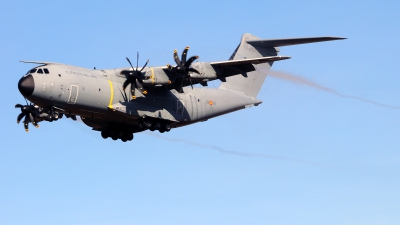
x=73, y=94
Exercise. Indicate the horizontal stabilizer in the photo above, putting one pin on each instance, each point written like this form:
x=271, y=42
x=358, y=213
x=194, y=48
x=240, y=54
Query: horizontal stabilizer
x=290, y=41
x=249, y=61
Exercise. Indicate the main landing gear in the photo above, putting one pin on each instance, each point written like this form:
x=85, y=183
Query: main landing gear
x=155, y=125
x=116, y=134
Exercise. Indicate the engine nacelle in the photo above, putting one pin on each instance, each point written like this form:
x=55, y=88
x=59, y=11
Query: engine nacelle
x=205, y=69
x=156, y=76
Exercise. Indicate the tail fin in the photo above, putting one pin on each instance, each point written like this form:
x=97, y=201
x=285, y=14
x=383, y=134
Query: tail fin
x=251, y=84
x=253, y=47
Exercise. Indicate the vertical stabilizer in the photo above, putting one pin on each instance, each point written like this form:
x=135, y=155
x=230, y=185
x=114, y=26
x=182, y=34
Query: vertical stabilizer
x=251, y=84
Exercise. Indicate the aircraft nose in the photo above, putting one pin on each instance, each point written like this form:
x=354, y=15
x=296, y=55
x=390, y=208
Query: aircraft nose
x=26, y=85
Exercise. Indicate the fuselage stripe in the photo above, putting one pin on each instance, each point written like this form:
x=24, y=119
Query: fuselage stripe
x=152, y=75
x=111, y=94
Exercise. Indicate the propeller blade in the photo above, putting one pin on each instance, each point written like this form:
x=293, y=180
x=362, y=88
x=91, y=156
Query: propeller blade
x=139, y=86
x=181, y=90
x=133, y=91
x=18, y=106
x=144, y=65
x=191, y=84
x=169, y=67
x=20, y=116
x=184, y=53
x=129, y=61
x=137, y=61
x=125, y=84
x=33, y=120
x=191, y=59
x=26, y=123
x=176, y=58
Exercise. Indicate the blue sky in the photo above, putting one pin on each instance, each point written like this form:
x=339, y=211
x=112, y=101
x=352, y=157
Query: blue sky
x=313, y=157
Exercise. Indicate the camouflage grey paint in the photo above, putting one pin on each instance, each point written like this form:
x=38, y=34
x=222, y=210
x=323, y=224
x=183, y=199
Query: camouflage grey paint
x=98, y=97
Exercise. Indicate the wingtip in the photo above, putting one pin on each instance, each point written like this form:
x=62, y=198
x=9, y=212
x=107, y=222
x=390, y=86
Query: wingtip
x=338, y=38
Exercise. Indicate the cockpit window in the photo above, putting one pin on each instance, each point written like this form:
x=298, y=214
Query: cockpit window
x=46, y=71
x=40, y=71
x=31, y=71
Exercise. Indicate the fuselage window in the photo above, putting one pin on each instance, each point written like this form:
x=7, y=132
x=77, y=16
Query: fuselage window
x=46, y=71
x=40, y=71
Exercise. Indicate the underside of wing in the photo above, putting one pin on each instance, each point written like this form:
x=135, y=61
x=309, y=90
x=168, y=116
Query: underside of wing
x=249, y=61
x=241, y=66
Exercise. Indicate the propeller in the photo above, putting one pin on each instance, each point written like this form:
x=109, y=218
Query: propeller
x=29, y=112
x=134, y=77
x=182, y=67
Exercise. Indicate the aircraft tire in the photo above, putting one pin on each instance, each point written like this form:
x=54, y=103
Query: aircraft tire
x=147, y=124
x=167, y=127
x=104, y=134
x=130, y=136
x=114, y=136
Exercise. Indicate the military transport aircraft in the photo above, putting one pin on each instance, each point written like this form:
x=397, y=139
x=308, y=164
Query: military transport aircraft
x=157, y=98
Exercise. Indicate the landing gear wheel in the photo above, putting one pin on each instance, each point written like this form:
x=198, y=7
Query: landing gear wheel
x=141, y=126
x=147, y=124
x=167, y=127
x=49, y=118
x=130, y=136
x=113, y=135
x=56, y=116
x=104, y=134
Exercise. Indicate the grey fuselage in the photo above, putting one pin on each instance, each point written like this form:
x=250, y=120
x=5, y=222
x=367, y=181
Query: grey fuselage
x=98, y=97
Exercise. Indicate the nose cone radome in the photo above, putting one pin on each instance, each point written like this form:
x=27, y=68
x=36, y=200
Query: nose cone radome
x=26, y=85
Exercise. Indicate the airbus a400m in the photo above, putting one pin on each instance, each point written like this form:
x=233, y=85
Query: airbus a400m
x=121, y=102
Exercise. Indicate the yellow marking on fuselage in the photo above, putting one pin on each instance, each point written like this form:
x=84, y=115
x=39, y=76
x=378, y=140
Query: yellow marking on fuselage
x=152, y=76
x=111, y=94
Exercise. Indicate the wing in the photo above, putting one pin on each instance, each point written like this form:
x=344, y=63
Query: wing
x=242, y=66
x=222, y=69
x=40, y=62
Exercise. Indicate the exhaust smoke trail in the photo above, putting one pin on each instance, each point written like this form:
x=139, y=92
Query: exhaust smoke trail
x=236, y=153
x=300, y=80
